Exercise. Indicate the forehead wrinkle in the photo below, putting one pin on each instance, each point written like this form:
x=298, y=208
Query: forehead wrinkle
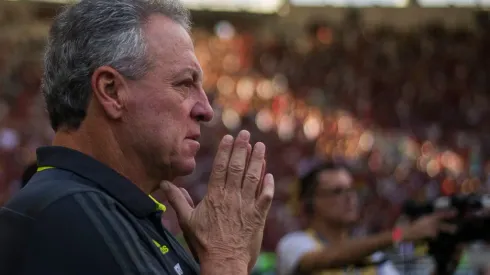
x=167, y=41
x=188, y=70
x=177, y=62
x=171, y=56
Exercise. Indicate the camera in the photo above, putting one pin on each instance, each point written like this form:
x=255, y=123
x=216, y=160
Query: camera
x=471, y=225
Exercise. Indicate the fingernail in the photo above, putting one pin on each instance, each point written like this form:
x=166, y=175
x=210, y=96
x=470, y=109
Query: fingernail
x=244, y=135
x=165, y=185
x=228, y=139
x=259, y=147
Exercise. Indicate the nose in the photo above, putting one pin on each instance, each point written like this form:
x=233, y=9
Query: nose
x=202, y=110
x=352, y=197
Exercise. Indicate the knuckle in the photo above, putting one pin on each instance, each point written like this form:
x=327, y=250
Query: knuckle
x=258, y=155
x=214, y=193
x=226, y=145
x=257, y=216
x=220, y=167
x=171, y=197
x=241, y=143
x=235, y=167
x=268, y=197
x=252, y=177
x=215, y=204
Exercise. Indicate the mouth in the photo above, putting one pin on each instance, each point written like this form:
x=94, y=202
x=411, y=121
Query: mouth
x=194, y=137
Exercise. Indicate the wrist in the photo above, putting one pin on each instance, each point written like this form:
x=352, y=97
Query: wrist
x=223, y=266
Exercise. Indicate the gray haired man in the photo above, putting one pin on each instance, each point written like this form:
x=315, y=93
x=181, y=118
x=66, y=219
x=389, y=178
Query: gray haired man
x=124, y=93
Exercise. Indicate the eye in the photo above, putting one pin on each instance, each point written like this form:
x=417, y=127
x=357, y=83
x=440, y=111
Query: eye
x=188, y=83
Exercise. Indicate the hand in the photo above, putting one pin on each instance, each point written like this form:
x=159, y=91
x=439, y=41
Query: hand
x=258, y=240
x=228, y=223
x=430, y=226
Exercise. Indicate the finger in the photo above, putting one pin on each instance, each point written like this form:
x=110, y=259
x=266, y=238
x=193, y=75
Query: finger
x=220, y=165
x=265, y=199
x=249, y=151
x=261, y=183
x=443, y=215
x=187, y=197
x=249, y=154
x=253, y=174
x=238, y=160
x=448, y=228
x=177, y=200
x=484, y=213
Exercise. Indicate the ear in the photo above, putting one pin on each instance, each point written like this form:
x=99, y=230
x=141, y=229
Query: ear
x=109, y=88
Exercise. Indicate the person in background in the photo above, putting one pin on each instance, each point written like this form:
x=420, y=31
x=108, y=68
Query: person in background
x=331, y=204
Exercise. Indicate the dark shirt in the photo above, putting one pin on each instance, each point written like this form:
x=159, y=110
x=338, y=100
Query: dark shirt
x=110, y=228
x=28, y=173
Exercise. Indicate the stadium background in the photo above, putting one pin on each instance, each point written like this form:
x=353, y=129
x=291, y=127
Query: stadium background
x=396, y=89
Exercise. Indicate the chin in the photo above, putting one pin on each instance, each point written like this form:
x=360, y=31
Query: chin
x=351, y=219
x=184, y=167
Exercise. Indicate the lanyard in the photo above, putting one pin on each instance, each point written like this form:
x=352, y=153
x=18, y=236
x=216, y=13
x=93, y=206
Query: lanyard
x=159, y=206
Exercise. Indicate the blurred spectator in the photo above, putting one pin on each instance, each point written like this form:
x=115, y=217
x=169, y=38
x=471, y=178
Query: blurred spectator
x=329, y=201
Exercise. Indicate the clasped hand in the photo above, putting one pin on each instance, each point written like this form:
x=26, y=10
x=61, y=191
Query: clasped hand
x=228, y=224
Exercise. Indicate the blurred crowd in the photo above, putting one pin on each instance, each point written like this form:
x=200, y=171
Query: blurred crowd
x=405, y=110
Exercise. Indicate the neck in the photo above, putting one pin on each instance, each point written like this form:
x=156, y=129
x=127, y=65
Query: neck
x=331, y=232
x=102, y=145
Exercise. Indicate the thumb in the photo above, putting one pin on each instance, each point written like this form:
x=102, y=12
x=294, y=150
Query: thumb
x=177, y=200
x=267, y=194
x=187, y=197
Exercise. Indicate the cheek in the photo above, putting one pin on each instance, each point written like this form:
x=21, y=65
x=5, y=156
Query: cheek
x=149, y=120
x=170, y=123
x=164, y=113
x=163, y=119
x=326, y=207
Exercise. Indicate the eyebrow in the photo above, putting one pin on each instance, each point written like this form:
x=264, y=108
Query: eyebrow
x=195, y=73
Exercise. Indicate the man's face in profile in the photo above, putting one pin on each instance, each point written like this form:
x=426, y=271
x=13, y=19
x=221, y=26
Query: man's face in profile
x=335, y=199
x=164, y=108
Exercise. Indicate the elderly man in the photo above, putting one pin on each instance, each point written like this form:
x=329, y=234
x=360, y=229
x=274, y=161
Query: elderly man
x=124, y=94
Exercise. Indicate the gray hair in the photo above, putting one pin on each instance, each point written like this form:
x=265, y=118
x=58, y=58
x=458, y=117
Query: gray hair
x=91, y=34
